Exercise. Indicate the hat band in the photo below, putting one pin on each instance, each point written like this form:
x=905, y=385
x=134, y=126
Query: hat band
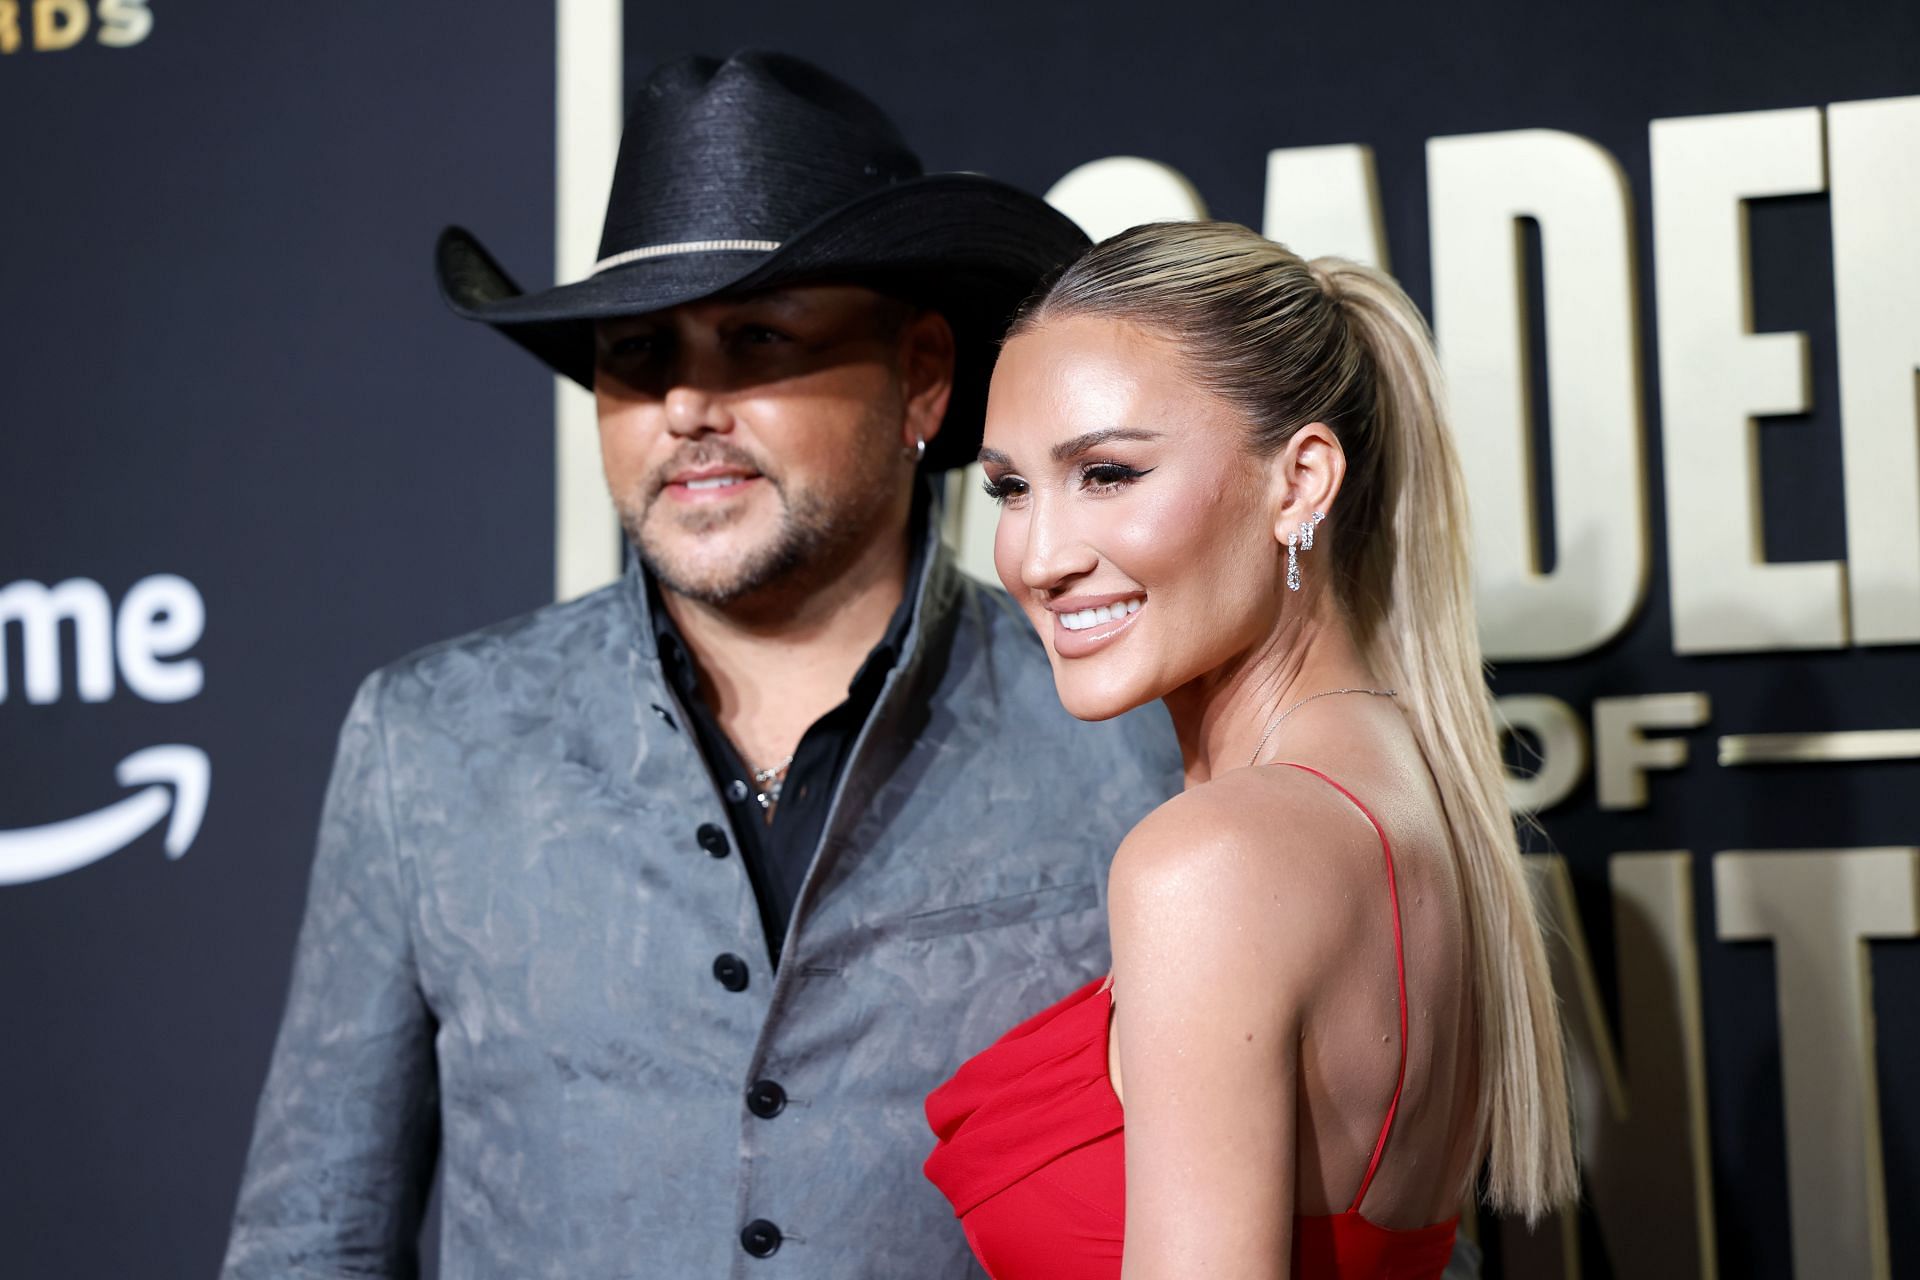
x=687, y=246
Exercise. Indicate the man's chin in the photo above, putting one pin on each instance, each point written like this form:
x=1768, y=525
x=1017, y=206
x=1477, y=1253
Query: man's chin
x=703, y=539
x=674, y=516
x=719, y=569
x=738, y=553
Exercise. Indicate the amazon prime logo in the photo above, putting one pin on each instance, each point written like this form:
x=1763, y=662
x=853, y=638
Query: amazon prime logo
x=142, y=646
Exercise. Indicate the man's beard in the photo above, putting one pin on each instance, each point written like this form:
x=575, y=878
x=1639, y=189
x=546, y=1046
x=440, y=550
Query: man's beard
x=813, y=536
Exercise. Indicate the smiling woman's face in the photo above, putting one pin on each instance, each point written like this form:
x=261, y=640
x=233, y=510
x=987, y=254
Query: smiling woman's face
x=1135, y=525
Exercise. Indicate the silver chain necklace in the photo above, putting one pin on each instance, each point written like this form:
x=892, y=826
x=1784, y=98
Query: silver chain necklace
x=767, y=784
x=1324, y=693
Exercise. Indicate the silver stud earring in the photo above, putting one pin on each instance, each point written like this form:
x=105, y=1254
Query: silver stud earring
x=918, y=451
x=1301, y=539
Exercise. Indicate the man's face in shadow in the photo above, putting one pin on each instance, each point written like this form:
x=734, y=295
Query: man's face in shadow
x=759, y=442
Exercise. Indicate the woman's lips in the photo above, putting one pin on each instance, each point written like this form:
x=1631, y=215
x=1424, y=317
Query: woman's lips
x=1093, y=624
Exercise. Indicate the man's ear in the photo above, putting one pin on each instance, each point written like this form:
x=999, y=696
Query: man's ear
x=1305, y=475
x=927, y=362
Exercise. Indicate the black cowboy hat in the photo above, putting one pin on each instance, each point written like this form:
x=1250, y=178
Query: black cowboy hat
x=764, y=171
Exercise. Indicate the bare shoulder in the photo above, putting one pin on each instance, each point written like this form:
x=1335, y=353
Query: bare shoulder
x=1273, y=862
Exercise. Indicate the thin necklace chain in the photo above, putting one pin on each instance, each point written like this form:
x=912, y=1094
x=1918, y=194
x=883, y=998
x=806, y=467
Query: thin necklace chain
x=772, y=772
x=1324, y=693
x=767, y=784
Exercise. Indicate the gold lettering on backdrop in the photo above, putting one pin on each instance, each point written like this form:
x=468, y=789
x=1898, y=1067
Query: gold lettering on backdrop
x=63, y=24
x=1479, y=187
x=1551, y=1250
x=1651, y=1169
x=1717, y=376
x=1874, y=159
x=1622, y=755
x=1819, y=907
x=1325, y=200
x=1108, y=196
x=587, y=546
x=1820, y=748
x=124, y=23
x=59, y=24
x=1562, y=749
x=1641, y=1103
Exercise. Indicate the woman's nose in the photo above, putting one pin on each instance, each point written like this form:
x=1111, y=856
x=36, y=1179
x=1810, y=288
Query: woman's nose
x=1053, y=556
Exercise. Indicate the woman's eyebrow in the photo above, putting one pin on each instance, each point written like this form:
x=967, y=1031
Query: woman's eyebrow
x=1068, y=449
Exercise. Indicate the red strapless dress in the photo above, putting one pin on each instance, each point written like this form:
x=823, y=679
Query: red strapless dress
x=1032, y=1153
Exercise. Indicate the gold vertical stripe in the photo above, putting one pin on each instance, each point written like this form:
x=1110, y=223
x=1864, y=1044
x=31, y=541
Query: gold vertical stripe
x=586, y=552
x=1820, y=748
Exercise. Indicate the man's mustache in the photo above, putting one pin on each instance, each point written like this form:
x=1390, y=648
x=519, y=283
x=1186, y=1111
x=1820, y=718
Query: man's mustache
x=705, y=456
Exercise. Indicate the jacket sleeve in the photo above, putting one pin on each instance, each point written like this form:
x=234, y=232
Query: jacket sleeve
x=347, y=1130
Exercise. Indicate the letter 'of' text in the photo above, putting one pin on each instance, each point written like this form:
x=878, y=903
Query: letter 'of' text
x=1561, y=746
x=1622, y=755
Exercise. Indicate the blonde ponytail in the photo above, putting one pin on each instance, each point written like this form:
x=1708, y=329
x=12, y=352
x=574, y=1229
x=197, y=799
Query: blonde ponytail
x=1292, y=342
x=1424, y=640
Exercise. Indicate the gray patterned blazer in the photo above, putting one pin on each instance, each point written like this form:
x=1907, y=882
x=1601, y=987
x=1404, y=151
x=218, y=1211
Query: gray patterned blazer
x=512, y=960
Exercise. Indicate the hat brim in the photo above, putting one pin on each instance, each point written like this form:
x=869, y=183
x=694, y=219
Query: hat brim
x=968, y=246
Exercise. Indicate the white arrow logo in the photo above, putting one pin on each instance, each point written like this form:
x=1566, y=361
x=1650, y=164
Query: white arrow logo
x=179, y=778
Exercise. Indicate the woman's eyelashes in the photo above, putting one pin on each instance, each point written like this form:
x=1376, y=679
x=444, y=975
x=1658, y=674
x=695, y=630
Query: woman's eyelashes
x=1003, y=488
x=1104, y=477
x=1095, y=477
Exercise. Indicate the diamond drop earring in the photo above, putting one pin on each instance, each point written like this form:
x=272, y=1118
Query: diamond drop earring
x=1301, y=539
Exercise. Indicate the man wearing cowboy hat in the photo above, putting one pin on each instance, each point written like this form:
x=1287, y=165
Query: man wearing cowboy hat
x=652, y=917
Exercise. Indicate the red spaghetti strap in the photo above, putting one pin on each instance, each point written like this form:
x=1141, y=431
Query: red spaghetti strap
x=1400, y=974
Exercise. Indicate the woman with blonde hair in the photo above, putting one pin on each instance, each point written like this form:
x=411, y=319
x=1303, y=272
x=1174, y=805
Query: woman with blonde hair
x=1226, y=482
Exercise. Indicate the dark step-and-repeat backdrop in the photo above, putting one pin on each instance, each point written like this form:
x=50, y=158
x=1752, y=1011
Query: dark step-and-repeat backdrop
x=1673, y=258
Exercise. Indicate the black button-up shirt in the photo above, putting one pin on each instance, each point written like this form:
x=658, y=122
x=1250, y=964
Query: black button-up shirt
x=777, y=852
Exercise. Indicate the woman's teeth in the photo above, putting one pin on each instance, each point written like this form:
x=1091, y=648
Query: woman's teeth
x=1105, y=613
x=715, y=482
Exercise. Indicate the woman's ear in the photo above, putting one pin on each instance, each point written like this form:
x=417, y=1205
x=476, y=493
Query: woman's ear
x=1306, y=475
